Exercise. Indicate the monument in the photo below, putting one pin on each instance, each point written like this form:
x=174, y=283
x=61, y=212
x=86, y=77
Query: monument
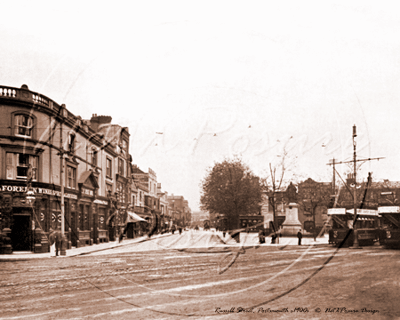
x=291, y=225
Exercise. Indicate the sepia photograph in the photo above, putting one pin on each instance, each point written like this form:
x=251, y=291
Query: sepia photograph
x=199, y=159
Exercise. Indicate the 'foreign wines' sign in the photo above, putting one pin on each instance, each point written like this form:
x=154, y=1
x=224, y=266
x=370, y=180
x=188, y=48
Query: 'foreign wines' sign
x=38, y=191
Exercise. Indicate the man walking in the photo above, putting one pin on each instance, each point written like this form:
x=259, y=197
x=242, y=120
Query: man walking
x=55, y=237
x=299, y=236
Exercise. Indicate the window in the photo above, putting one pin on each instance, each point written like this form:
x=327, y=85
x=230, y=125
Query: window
x=121, y=167
x=55, y=215
x=71, y=142
x=94, y=158
x=109, y=168
x=121, y=192
x=23, y=125
x=109, y=188
x=71, y=177
x=21, y=166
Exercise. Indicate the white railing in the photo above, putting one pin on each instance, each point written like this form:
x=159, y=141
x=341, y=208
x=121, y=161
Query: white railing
x=8, y=92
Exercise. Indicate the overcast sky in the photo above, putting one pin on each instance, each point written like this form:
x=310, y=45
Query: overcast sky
x=219, y=78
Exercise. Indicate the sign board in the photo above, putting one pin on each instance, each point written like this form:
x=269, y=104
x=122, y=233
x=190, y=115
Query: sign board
x=87, y=192
x=98, y=201
x=364, y=212
x=389, y=209
x=336, y=211
x=37, y=191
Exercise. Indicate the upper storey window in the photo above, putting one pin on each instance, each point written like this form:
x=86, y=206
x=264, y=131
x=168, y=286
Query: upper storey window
x=71, y=142
x=21, y=166
x=23, y=125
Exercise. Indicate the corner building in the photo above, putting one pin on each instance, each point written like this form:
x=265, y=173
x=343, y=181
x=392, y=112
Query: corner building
x=43, y=145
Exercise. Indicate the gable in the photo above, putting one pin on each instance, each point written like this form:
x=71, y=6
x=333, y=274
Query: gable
x=88, y=180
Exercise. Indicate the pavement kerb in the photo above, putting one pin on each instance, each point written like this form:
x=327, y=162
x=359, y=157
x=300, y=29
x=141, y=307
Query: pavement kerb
x=250, y=240
x=78, y=251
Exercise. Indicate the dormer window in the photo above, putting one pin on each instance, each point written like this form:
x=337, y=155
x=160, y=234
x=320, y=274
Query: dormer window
x=23, y=125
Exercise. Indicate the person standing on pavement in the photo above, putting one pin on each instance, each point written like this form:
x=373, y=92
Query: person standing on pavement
x=55, y=237
x=299, y=236
x=261, y=236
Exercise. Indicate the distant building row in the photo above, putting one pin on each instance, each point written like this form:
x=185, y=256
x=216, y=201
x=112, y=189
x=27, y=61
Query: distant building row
x=313, y=199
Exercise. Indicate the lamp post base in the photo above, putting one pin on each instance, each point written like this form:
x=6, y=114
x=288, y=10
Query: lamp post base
x=63, y=251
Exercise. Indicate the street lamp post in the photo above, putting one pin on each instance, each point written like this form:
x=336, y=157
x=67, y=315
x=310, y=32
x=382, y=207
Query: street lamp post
x=30, y=197
x=62, y=170
x=355, y=242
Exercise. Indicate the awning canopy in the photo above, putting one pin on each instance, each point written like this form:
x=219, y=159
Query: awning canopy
x=343, y=211
x=133, y=217
x=389, y=209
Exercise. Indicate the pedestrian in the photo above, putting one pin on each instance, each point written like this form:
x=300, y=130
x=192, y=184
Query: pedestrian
x=173, y=229
x=299, y=236
x=261, y=236
x=273, y=238
x=55, y=237
x=180, y=230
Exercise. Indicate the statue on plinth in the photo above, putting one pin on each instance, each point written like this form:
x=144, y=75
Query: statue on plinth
x=291, y=225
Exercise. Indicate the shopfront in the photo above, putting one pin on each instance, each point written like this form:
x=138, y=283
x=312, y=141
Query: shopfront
x=84, y=229
x=28, y=222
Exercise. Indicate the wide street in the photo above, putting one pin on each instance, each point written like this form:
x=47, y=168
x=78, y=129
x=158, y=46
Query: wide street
x=195, y=275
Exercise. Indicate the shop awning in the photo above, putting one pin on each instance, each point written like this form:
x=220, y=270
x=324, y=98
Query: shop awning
x=133, y=217
x=343, y=211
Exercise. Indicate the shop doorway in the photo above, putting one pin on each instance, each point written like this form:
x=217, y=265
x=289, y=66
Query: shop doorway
x=21, y=232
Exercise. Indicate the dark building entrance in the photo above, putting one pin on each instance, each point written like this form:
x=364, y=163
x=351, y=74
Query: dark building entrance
x=21, y=232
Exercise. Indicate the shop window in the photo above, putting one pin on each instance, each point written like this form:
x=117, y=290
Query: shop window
x=71, y=177
x=55, y=215
x=102, y=220
x=81, y=217
x=21, y=166
x=23, y=125
x=86, y=218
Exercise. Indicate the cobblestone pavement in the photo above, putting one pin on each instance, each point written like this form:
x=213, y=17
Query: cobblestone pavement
x=176, y=278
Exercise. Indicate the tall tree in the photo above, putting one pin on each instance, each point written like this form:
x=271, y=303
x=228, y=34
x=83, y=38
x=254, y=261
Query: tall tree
x=277, y=179
x=231, y=189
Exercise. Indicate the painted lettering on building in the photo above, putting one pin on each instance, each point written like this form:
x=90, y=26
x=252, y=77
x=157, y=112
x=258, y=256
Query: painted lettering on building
x=36, y=190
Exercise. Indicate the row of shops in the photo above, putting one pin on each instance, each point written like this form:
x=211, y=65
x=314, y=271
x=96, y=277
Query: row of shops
x=89, y=219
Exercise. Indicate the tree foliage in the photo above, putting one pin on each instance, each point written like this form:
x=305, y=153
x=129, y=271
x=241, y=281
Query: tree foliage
x=231, y=189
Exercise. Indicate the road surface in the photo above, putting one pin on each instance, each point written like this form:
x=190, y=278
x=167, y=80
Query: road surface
x=195, y=275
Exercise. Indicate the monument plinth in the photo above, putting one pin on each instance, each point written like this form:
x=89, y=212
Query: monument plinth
x=291, y=225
